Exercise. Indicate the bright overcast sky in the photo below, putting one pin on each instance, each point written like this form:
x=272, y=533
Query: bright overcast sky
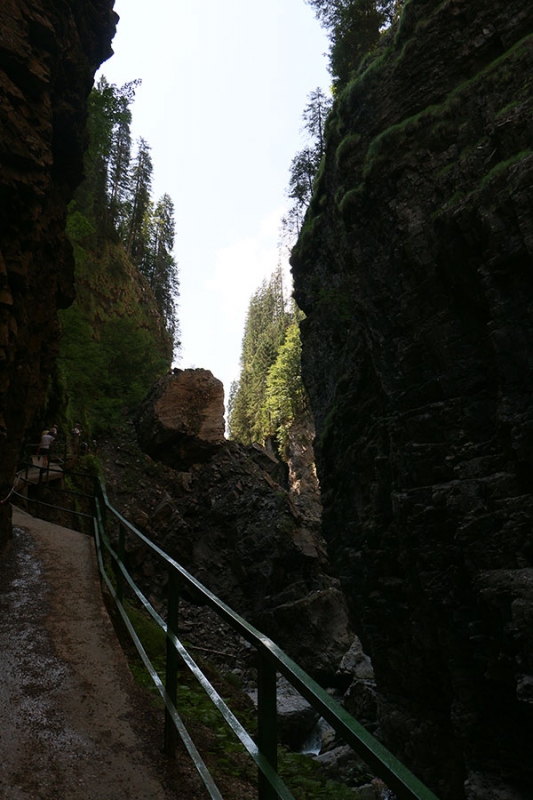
x=223, y=88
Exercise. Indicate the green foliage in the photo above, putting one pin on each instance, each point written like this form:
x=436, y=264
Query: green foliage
x=285, y=396
x=307, y=781
x=108, y=155
x=354, y=28
x=349, y=199
x=158, y=265
x=346, y=149
x=134, y=230
x=305, y=165
x=105, y=374
x=269, y=394
x=266, y=324
x=304, y=777
x=502, y=166
x=119, y=334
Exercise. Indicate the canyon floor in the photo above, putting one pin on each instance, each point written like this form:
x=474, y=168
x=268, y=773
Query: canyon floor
x=73, y=722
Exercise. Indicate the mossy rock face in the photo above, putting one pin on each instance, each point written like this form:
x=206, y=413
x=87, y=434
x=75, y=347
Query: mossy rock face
x=416, y=281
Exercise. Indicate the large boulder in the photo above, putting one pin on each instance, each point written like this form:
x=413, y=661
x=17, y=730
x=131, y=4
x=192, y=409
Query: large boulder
x=181, y=421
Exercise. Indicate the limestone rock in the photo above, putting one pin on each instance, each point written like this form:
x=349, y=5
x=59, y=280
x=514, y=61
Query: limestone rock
x=49, y=52
x=414, y=269
x=181, y=422
x=303, y=481
x=238, y=532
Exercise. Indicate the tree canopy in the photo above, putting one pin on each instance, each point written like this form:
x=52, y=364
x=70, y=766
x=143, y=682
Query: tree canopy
x=305, y=164
x=354, y=28
x=269, y=392
x=116, y=196
x=121, y=332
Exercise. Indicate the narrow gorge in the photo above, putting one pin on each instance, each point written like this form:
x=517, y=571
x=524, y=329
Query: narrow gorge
x=413, y=269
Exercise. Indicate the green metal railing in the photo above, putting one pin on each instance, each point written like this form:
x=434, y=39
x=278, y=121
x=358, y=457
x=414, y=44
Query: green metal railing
x=50, y=477
x=271, y=660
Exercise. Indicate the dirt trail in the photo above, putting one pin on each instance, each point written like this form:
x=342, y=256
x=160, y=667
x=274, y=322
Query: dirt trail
x=73, y=726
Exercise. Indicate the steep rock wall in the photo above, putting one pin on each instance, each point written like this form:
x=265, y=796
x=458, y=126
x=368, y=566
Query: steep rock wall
x=414, y=269
x=49, y=52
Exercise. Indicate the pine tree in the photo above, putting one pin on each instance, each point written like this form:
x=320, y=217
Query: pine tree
x=140, y=189
x=108, y=156
x=119, y=176
x=304, y=165
x=158, y=264
x=354, y=28
x=266, y=323
x=314, y=116
x=285, y=396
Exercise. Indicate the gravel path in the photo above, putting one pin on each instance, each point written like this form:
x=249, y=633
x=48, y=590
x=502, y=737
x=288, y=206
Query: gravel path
x=73, y=726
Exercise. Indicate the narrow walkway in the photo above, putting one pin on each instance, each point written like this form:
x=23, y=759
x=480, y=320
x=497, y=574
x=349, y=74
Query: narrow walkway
x=72, y=723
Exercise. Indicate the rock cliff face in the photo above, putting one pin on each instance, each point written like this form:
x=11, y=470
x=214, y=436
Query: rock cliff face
x=414, y=268
x=49, y=51
x=230, y=519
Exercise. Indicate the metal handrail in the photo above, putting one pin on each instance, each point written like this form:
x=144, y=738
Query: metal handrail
x=271, y=659
x=44, y=472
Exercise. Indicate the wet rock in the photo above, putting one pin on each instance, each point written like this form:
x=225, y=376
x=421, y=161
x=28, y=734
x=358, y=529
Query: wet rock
x=296, y=718
x=484, y=786
x=342, y=764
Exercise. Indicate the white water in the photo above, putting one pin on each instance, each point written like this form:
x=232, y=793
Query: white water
x=313, y=743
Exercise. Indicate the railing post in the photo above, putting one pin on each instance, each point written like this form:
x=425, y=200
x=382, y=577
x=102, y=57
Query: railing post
x=171, y=677
x=120, y=551
x=267, y=737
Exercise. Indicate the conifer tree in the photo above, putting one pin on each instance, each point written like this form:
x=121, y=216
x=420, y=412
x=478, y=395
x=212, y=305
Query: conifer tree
x=314, y=116
x=108, y=156
x=266, y=323
x=158, y=264
x=305, y=164
x=140, y=190
x=354, y=29
x=285, y=395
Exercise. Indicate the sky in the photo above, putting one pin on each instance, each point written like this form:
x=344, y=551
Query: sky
x=224, y=85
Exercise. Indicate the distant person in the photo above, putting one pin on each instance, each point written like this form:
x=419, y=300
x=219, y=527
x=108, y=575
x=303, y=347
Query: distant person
x=76, y=433
x=44, y=446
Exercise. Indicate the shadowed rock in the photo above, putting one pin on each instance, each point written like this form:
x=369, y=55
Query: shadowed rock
x=414, y=271
x=49, y=52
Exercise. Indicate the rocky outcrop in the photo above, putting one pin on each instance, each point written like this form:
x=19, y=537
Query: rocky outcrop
x=181, y=422
x=49, y=51
x=414, y=270
x=302, y=477
x=231, y=522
